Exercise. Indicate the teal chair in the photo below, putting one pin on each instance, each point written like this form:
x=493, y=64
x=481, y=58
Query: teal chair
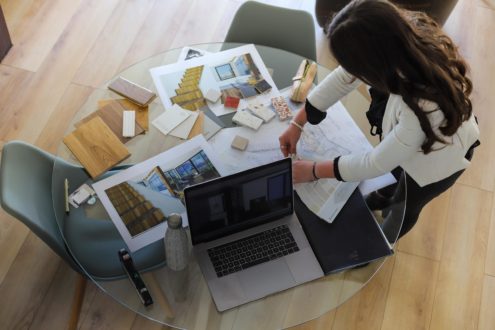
x=32, y=192
x=288, y=29
x=273, y=29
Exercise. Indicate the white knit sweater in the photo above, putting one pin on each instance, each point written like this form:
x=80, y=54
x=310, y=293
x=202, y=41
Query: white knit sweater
x=403, y=137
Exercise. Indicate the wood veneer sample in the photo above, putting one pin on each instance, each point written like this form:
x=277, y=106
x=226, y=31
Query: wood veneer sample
x=112, y=114
x=198, y=126
x=137, y=94
x=96, y=147
x=141, y=112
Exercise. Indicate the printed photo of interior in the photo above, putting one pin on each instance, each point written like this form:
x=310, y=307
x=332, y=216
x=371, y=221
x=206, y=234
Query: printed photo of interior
x=146, y=202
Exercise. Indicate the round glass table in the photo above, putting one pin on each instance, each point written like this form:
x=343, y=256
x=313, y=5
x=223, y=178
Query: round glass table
x=181, y=298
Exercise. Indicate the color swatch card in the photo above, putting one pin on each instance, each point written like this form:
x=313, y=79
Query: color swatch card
x=183, y=129
x=259, y=110
x=170, y=119
x=244, y=118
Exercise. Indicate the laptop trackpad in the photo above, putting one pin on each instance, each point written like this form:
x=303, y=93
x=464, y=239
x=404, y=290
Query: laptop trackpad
x=267, y=278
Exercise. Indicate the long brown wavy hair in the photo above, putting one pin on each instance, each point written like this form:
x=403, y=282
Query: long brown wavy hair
x=406, y=53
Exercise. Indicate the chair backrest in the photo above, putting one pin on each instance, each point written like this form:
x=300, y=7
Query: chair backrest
x=26, y=193
x=287, y=29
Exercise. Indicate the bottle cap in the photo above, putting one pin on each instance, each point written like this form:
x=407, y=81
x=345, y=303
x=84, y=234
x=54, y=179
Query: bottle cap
x=174, y=221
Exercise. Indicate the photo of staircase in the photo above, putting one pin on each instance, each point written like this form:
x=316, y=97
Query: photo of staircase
x=188, y=95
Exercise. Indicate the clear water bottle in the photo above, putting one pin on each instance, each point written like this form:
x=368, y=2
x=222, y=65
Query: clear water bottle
x=176, y=243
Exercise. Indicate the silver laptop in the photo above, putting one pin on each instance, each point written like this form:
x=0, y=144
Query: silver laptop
x=246, y=236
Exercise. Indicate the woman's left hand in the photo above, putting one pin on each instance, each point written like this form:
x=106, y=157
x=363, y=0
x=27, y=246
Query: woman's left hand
x=302, y=171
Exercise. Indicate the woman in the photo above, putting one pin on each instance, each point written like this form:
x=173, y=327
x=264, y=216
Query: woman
x=429, y=131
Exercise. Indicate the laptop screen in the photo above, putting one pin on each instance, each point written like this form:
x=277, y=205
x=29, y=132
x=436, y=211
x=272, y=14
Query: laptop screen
x=233, y=203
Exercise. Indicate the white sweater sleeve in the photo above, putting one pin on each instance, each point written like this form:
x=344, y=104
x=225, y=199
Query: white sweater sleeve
x=400, y=144
x=335, y=86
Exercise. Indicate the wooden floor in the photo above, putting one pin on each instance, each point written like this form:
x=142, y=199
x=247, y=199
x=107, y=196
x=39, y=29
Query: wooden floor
x=443, y=273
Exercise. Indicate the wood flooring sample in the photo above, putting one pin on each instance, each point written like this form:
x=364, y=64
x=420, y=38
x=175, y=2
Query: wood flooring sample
x=141, y=112
x=137, y=94
x=198, y=125
x=96, y=147
x=112, y=115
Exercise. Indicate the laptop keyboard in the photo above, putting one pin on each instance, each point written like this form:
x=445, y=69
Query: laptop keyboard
x=252, y=250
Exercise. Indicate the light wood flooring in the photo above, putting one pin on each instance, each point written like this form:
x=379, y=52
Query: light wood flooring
x=443, y=273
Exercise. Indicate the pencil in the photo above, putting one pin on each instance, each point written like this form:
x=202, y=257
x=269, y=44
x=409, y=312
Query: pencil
x=66, y=191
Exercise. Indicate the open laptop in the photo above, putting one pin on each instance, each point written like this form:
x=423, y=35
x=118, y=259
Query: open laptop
x=246, y=236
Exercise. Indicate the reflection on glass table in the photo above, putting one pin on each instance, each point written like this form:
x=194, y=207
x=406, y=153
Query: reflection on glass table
x=181, y=298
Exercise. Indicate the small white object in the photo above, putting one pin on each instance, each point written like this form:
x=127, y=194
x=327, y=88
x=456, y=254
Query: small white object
x=80, y=195
x=244, y=118
x=213, y=95
x=129, y=123
x=261, y=111
x=170, y=119
x=176, y=243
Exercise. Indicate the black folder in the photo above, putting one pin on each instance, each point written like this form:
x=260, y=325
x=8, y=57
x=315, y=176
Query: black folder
x=354, y=238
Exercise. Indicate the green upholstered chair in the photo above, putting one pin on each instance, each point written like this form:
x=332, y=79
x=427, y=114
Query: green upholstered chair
x=287, y=29
x=33, y=192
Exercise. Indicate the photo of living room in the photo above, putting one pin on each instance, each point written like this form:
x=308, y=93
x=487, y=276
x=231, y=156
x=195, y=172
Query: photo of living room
x=241, y=78
x=146, y=202
x=196, y=169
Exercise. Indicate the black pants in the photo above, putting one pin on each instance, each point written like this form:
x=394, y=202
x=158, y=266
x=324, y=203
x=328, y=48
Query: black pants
x=415, y=197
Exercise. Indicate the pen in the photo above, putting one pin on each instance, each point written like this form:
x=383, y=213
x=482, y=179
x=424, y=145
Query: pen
x=66, y=192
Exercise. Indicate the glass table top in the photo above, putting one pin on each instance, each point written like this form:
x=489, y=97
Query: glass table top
x=182, y=298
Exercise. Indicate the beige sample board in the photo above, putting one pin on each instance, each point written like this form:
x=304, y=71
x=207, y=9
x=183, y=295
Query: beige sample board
x=96, y=147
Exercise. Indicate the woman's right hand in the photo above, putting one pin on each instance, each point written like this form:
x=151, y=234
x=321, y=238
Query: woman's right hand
x=288, y=140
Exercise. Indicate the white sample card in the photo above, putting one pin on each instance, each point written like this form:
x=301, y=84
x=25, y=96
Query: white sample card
x=244, y=118
x=259, y=110
x=170, y=119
